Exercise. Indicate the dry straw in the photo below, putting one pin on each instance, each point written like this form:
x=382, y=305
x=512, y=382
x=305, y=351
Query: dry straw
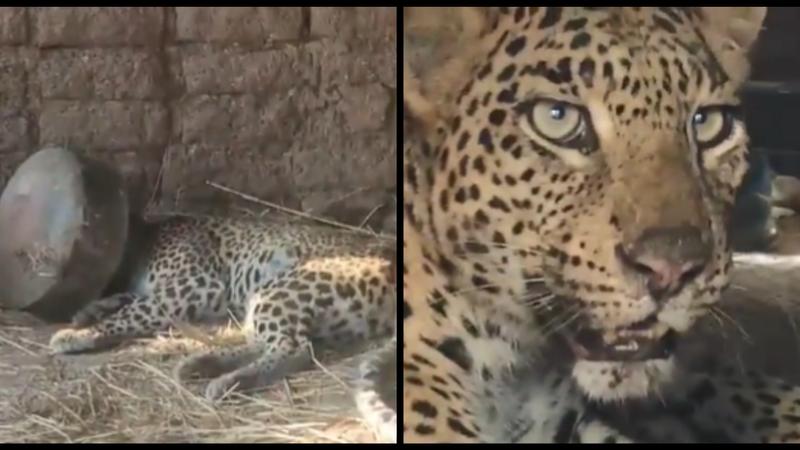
x=130, y=395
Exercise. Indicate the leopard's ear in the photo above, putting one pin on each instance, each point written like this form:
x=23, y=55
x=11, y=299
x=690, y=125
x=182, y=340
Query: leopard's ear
x=737, y=26
x=731, y=33
x=440, y=46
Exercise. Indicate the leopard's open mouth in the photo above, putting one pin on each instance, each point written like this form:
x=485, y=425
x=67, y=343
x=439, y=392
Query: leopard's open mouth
x=646, y=340
x=641, y=341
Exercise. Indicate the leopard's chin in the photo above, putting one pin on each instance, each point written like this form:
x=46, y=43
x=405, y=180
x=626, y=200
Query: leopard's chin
x=628, y=362
x=614, y=381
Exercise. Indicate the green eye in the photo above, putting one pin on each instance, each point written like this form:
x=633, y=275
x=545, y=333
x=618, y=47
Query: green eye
x=711, y=126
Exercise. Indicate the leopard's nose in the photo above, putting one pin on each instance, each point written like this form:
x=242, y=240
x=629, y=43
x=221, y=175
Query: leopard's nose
x=668, y=258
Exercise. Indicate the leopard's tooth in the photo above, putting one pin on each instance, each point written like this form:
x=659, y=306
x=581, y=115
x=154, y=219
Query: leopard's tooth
x=610, y=336
x=629, y=346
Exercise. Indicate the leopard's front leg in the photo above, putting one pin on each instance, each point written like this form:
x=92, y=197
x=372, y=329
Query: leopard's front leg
x=142, y=316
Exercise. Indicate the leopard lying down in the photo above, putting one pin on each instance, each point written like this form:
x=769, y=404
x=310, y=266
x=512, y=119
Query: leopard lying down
x=568, y=178
x=289, y=284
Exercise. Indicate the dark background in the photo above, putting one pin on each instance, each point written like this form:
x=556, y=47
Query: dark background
x=772, y=100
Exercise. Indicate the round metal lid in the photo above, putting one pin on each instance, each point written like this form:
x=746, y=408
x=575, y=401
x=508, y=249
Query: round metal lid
x=63, y=226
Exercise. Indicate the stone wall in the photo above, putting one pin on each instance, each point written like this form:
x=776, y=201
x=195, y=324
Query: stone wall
x=294, y=105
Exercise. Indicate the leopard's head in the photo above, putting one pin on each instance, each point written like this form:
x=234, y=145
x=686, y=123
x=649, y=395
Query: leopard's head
x=594, y=152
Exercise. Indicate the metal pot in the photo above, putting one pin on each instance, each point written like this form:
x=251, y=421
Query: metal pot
x=63, y=227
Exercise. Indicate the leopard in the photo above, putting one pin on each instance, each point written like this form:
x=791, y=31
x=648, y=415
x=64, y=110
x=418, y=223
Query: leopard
x=375, y=391
x=290, y=285
x=568, y=178
x=375, y=384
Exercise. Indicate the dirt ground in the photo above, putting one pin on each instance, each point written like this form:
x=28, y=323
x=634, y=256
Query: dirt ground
x=129, y=395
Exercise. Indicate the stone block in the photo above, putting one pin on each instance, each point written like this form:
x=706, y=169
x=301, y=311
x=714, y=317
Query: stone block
x=101, y=74
x=245, y=25
x=364, y=107
x=13, y=25
x=241, y=120
x=189, y=167
x=108, y=125
x=97, y=26
x=13, y=79
x=229, y=70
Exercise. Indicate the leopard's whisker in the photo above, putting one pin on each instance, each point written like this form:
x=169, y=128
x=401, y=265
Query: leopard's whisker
x=475, y=288
x=577, y=313
x=542, y=301
x=561, y=319
x=722, y=314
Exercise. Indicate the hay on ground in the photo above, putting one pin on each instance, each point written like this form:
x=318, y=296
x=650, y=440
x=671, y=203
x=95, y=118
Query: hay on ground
x=130, y=395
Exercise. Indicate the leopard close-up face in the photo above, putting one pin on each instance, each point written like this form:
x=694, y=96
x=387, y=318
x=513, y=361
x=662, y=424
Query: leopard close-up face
x=588, y=168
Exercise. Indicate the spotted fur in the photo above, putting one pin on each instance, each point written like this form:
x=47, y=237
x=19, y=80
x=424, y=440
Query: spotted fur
x=291, y=285
x=510, y=235
x=376, y=384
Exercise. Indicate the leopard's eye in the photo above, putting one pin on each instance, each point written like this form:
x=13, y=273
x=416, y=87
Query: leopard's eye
x=711, y=125
x=561, y=123
x=557, y=121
